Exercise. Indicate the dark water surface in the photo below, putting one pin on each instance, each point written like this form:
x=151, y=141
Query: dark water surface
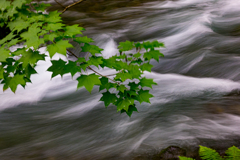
x=51, y=120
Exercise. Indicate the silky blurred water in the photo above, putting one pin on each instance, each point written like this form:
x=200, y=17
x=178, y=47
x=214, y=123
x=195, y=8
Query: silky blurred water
x=51, y=119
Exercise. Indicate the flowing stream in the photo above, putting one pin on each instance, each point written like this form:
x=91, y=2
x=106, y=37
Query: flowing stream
x=50, y=119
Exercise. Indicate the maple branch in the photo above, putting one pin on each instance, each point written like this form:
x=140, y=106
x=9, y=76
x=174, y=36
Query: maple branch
x=93, y=69
x=59, y=3
x=71, y=5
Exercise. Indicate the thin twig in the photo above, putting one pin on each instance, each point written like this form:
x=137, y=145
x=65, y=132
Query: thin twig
x=71, y=5
x=59, y=4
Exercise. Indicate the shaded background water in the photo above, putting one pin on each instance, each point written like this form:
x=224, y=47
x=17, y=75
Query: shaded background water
x=51, y=120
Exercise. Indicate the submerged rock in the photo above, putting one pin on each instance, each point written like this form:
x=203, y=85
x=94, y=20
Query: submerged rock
x=170, y=153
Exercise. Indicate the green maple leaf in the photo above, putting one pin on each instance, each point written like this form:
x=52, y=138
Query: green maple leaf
x=108, y=98
x=123, y=76
x=18, y=24
x=138, y=45
x=59, y=47
x=1, y=72
x=137, y=55
x=133, y=86
x=106, y=84
x=134, y=71
x=125, y=46
x=72, y=68
x=123, y=104
x=131, y=109
x=88, y=81
x=4, y=54
x=12, y=42
x=157, y=44
x=83, y=39
x=15, y=81
x=57, y=68
x=34, y=42
x=84, y=66
x=73, y=30
x=30, y=57
x=121, y=88
x=143, y=96
x=91, y=48
x=153, y=54
x=29, y=70
x=32, y=31
x=146, y=82
x=8, y=37
x=53, y=17
x=4, y=5
x=146, y=67
x=96, y=61
x=53, y=26
x=42, y=6
x=18, y=3
x=50, y=37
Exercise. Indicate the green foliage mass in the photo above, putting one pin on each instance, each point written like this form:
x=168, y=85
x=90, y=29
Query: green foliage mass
x=31, y=28
x=233, y=153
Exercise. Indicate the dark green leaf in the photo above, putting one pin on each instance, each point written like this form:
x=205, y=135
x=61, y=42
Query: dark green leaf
x=145, y=82
x=144, y=95
x=108, y=98
x=88, y=81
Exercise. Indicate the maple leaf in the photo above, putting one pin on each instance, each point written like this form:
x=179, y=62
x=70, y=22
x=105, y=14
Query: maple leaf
x=96, y=61
x=123, y=76
x=18, y=24
x=106, y=84
x=131, y=109
x=1, y=72
x=125, y=46
x=15, y=81
x=121, y=88
x=108, y=98
x=133, y=86
x=53, y=17
x=137, y=55
x=50, y=37
x=153, y=54
x=30, y=57
x=73, y=30
x=57, y=68
x=8, y=37
x=18, y=3
x=123, y=104
x=91, y=48
x=4, y=5
x=42, y=6
x=144, y=96
x=146, y=82
x=88, y=81
x=53, y=26
x=4, y=54
x=72, y=68
x=134, y=71
x=34, y=42
x=59, y=47
x=146, y=67
x=29, y=70
x=84, y=39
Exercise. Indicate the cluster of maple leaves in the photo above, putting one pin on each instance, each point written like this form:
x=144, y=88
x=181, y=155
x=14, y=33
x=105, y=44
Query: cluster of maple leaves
x=31, y=27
